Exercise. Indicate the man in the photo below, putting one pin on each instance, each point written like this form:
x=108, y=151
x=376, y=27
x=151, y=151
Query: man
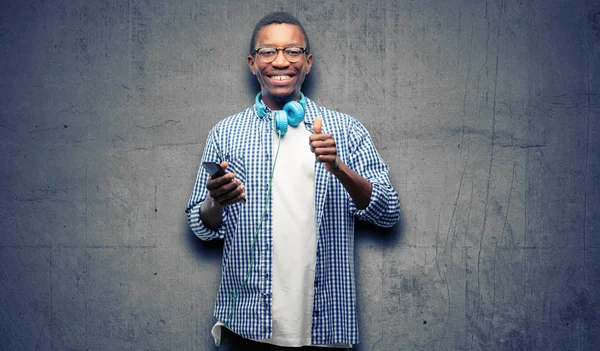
x=297, y=176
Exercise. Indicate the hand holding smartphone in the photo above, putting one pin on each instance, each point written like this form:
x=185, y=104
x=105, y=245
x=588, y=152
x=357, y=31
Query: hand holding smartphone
x=223, y=187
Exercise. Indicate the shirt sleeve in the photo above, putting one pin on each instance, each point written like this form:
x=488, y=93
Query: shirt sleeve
x=200, y=193
x=384, y=206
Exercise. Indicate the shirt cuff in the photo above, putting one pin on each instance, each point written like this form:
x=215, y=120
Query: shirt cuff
x=383, y=210
x=202, y=231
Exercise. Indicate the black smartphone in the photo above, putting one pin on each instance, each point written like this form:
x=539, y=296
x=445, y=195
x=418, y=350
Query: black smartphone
x=213, y=169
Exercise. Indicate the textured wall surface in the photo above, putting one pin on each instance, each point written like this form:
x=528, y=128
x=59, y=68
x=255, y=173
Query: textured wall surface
x=488, y=114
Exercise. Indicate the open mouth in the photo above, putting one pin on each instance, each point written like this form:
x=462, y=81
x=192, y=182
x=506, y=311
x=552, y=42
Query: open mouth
x=281, y=77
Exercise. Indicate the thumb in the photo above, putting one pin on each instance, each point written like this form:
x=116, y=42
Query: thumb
x=318, y=125
x=224, y=164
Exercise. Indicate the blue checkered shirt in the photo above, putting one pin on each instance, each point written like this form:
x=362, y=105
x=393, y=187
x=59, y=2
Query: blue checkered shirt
x=245, y=141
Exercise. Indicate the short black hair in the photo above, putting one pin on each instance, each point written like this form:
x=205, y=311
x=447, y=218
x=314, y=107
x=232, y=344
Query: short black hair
x=277, y=17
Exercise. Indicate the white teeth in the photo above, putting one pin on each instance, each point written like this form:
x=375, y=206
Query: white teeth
x=281, y=77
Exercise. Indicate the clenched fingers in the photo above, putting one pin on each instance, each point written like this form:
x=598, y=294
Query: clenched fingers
x=226, y=190
x=318, y=141
x=231, y=197
x=219, y=182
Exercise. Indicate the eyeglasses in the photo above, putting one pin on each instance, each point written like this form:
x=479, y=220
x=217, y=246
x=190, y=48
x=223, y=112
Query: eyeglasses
x=291, y=53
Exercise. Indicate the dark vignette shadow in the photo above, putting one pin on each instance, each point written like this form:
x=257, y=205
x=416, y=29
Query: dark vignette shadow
x=205, y=253
x=204, y=250
x=367, y=234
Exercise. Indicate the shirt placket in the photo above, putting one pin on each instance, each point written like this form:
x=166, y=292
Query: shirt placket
x=321, y=184
x=267, y=238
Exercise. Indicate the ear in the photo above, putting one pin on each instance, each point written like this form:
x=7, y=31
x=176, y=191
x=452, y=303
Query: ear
x=251, y=64
x=308, y=62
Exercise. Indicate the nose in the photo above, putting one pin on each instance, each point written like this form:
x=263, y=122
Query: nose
x=280, y=60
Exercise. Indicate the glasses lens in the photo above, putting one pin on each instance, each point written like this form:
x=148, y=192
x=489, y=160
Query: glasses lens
x=293, y=54
x=266, y=55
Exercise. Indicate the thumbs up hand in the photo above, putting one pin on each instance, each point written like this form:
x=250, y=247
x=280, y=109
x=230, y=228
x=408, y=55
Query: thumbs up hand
x=324, y=147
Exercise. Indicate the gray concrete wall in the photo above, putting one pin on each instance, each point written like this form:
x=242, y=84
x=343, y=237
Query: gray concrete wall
x=488, y=114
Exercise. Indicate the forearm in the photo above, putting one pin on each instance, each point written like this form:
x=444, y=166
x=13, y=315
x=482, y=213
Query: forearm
x=210, y=214
x=356, y=185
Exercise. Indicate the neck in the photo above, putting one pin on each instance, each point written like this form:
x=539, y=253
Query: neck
x=277, y=102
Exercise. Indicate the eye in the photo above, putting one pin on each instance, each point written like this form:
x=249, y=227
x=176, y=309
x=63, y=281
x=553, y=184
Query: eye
x=267, y=52
x=293, y=51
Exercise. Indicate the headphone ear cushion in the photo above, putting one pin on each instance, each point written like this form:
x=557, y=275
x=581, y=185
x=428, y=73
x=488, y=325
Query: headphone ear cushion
x=295, y=113
x=281, y=122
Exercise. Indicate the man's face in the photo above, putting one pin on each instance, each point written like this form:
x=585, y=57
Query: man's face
x=280, y=80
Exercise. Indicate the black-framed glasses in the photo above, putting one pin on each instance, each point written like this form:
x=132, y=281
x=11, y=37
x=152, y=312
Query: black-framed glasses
x=291, y=53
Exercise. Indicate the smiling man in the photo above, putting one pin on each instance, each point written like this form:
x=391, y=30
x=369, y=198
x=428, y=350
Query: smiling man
x=297, y=175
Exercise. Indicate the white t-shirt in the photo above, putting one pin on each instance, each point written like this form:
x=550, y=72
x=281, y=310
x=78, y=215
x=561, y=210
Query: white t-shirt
x=294, y=238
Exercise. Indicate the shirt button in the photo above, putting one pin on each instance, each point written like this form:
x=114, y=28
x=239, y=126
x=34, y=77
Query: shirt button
x=316, y=312
x=317, y=282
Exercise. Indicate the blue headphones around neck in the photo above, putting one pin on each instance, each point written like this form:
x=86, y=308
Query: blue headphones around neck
x=292, y=113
